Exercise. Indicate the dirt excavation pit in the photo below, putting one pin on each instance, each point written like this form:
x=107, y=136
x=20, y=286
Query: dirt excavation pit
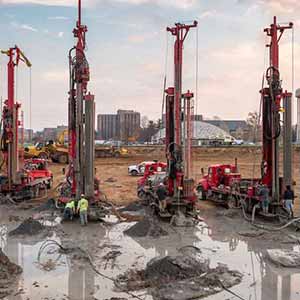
x=8, y=275
x=28, y=227
x=146, y=227
x=180, y=278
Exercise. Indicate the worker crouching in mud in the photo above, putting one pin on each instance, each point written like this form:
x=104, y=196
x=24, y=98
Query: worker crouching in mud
x=161, y=193
x=69, y=210
x=82, y=209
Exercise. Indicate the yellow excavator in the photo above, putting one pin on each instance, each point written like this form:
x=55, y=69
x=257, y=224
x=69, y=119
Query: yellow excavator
x=56, y=151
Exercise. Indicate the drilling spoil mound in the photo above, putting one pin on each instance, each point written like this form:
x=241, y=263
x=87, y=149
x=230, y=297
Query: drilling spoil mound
x=146, y=227
x=180, y=278
x=28, y=227
x=47, y=205
x=284, y=258
x=8, y=275
x=135, y=206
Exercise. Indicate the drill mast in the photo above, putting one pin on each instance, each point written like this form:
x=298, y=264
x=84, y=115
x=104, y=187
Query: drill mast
x=271, y=108
x=81, y=117
x=10, y=117
x=178, y=119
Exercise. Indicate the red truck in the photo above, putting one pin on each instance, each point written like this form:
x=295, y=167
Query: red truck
x=151, y=169
x=219, y=182
x=37, y=168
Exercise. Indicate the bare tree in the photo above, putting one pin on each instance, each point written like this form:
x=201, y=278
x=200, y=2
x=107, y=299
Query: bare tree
x=144, y=122
x=253, y=123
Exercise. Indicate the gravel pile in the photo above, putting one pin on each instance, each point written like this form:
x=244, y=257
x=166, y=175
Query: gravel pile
x=48, y=205
x=28, y=227
x=135, y=206
x=8, y=275
x=146, y=227
x=180, y=277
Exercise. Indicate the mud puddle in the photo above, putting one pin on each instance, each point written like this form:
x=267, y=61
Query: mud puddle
x=70, y=277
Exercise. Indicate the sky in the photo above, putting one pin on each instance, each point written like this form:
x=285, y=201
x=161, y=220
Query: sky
x=129, y=53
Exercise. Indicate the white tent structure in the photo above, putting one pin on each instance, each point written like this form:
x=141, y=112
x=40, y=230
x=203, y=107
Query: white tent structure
x=203, y=133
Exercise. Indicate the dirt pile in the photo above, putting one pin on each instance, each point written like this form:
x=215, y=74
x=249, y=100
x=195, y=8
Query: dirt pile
x=146, y=227
x=48, y=205
x=132, y=207
x=251, y=233
x=175, y=268
x=285, y=258
x=8, y=274
x=28, y=227
x=180, y=278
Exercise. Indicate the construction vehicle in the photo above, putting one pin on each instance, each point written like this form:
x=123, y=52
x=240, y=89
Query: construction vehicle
x=107, y=150
x=151, y=169
x=38, y=169
x=179, y=185
x=218, y=183
x=274, y=102
x=19, y=180
x=80, y=176
x=246, y=192
x=48, y=150
x=39, y=150
x=139, y=169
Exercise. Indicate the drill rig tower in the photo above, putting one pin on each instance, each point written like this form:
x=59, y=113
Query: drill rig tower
x=10, y=118
x=81, y=117
x=272, y=95
x=178, y=122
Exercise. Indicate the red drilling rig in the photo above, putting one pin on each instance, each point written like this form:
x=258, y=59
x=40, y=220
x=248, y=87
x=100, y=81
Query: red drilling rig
x=223, y=183
x=179, y=115
x=81, y=122
x=178, y=129
x=272, y=96
x=20, y=182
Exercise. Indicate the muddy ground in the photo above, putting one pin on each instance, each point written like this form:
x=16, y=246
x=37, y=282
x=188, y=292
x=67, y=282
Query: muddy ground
x=121, y=188
x=223, y=237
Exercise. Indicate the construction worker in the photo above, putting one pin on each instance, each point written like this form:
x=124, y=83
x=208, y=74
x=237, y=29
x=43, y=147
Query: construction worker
x=161, y=193
x=82, y=209
x=288, y=198
x=69, y=210
x=264, y=197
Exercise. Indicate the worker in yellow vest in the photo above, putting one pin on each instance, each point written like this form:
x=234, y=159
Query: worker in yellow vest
x=69, y=210
x=82, y=209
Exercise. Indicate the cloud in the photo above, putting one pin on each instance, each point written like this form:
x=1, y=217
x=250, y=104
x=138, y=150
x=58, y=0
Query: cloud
x=28, y=27
x=175, y=3
x=208, y=14
x=279, y=6
x=56, y=76
x=58, y=18
x=181, y=4
x=136, y=38
x=60, y=34
x=141, y=38
x=42, y=2
x=155, y=68
x=23, y=26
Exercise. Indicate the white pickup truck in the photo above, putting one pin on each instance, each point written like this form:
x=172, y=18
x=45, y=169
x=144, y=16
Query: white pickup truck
x=136, y=170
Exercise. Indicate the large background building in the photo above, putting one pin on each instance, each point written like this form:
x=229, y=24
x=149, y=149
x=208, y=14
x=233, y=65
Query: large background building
x=107, y=127
x=123, y=126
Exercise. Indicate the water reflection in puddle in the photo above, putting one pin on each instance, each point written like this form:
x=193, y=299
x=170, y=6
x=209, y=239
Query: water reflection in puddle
x=72, y=279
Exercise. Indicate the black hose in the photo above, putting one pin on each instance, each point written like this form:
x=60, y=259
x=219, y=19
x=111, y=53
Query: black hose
x=68, y=250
